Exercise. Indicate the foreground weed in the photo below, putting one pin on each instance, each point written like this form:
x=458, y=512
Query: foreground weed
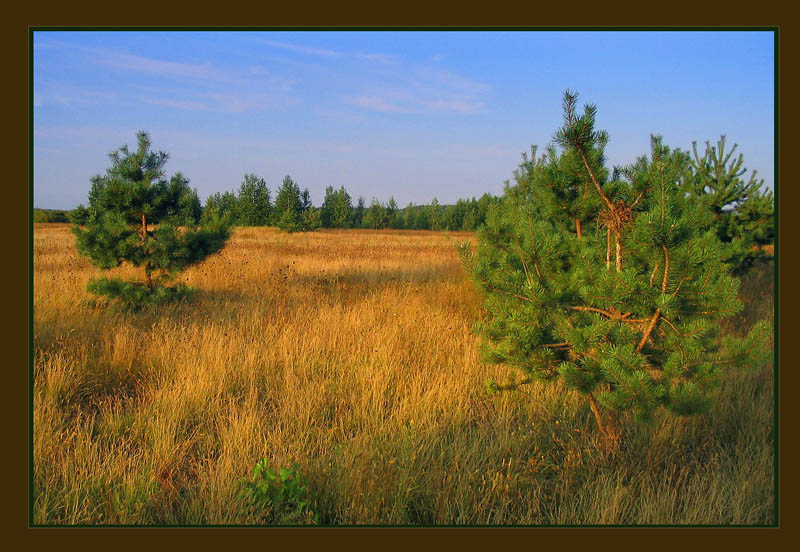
x=278, y=498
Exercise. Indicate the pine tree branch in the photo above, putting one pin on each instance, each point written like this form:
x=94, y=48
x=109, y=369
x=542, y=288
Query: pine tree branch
x=591, y=175
x=594, y=309
x=648, y=331
x=611, y=315
x=639, y=197
x=653, y=275
x=490, y=287
x=565, y=344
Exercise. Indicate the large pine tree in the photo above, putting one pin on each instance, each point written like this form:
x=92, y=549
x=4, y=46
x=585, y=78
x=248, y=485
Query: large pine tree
x=134, y=216
x=613, y=284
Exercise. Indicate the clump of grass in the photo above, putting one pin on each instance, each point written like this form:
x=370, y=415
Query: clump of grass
x=350, y=353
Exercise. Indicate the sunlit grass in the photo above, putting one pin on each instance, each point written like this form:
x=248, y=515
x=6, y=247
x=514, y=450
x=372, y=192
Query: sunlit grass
x=350, y=353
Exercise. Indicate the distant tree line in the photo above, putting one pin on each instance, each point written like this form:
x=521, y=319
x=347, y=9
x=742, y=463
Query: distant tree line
x=292, y=210
x=743, y=208
x=51, y=215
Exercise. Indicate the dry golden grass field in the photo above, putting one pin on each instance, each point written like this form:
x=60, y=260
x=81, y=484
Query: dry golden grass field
x=350, y=353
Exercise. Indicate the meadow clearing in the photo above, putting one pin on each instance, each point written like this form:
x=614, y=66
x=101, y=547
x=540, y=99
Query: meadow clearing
x=351, y=354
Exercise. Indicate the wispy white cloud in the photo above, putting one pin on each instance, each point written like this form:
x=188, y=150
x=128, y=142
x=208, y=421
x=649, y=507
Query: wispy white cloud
x=48, y=93
x=456, y=106
x=416, y=105
x=422, y=89
x=301, y=49
x=129, y=62
x=178, y=104
x=192, y=86
x=376, y=103
x=380, y=58
x=328, y=53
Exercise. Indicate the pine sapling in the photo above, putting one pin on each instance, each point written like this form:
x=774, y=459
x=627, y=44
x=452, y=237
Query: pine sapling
x=613, y=284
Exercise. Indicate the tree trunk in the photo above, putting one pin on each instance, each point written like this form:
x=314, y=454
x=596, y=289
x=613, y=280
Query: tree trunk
x=578, y=228
x=608, y=249
x=607, y=426
x=148, y=277
x=618, y=243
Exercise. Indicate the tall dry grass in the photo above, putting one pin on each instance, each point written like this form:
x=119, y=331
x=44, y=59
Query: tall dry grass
x=350, y=353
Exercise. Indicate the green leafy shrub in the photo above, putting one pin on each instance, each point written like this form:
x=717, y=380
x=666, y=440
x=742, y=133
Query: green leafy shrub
x=278, y=498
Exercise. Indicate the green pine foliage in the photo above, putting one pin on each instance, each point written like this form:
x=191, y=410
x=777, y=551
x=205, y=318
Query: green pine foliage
x=612, y=284
x=744, y=211
x=136, y=216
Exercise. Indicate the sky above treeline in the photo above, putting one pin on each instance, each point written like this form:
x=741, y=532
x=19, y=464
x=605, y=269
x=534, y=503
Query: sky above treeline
x=413, y=115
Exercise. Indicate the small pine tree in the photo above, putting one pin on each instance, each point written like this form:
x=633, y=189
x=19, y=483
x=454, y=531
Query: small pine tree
x=743, y=210
x=611, y=283
x=133, y=217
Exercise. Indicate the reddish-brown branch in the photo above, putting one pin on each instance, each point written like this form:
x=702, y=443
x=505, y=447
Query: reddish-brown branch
x=147, y=275
x=639, y=197
x=653, y=275
x=612, y=315
x=649, y=330
x=594, y=309
x=491, y=287
x=594, y=180
x=566, y=344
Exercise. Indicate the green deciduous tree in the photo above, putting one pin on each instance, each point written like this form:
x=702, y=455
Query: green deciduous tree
x=220, y=206
x=376, y=216
x=358, y=213
x=611, y=283
x=293, y=210
x=134, y=216
x=435, y=215
x=253, y=204
x=337, y=208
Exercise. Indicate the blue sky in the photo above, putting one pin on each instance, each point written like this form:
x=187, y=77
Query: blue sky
x=414, y=115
